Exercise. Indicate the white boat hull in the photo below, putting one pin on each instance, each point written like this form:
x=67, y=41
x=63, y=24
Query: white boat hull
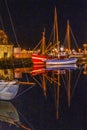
x=8, y=89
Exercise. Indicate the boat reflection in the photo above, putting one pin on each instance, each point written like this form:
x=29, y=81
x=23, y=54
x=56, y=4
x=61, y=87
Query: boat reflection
x=85, y=69
x=52, y=81
x=10, y=80
x=38, y=69
x=53, y=91
x=58, y=77
x=9, y=115
x=61, y=67
x=9, y=88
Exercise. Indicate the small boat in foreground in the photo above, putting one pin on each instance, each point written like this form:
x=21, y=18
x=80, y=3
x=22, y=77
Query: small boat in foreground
x=61, y=61
x=8, y=89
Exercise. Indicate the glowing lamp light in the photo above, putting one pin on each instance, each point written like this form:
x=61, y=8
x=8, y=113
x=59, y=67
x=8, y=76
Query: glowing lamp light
x=61, y=48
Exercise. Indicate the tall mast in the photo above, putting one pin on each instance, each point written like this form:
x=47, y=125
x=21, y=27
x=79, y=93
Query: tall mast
x=43, y=42
x=56, y=38
x=68, y=34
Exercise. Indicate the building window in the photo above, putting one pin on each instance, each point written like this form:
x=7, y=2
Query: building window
x=5, y=55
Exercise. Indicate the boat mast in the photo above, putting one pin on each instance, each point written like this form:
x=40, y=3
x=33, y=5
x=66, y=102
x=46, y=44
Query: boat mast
x=68, y=34
x=43, y=42
x=56, y=38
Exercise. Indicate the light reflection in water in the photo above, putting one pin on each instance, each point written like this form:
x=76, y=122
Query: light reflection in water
x=57, y=77
x=56, y=82
x=10, y=116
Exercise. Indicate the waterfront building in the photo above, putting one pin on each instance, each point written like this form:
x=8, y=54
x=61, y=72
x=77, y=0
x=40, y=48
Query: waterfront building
x=6, y=47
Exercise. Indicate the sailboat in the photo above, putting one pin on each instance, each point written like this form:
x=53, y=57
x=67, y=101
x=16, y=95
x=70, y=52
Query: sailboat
x=39, y=59
x=61, y=61
x=57, y=60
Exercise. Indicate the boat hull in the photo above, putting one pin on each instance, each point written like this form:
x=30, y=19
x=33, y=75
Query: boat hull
x=61, y=62
x=8, y=89
x=38, y=59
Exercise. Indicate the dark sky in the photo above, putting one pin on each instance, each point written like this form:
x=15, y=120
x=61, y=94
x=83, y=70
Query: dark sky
x=30, y=17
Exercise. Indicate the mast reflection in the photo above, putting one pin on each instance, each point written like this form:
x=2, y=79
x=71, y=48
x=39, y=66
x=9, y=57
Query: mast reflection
x=57, y=77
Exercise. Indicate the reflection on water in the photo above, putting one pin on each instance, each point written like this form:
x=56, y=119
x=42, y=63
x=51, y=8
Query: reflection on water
x=56, y=77
x=56, y=101
x=9, y=83
x=9, y=115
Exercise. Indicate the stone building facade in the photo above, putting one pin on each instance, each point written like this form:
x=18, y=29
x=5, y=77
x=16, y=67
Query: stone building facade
x=6, y=47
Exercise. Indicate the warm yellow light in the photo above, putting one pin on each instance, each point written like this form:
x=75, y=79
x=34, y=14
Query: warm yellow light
x=79, y=49
x=66, y=50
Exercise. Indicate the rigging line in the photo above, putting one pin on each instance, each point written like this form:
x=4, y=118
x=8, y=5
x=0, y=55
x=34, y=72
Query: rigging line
x=48, y=46
x=48, y=79
x=26, y=120
x=76, y=82
x=51, y=35
x=52, y=47
x=74, y=38
x=11, y=23
x=37, y=45
x=24, y=91
x=50, y=42
x=65, y=40
x=37, y=82
x=52, y=80
x=2, y=23
x=63, y=81
x=14, y=31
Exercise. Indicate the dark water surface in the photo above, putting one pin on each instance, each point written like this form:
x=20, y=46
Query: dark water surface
x=58, y=103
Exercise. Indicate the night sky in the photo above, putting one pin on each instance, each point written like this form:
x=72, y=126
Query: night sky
x=30, y=17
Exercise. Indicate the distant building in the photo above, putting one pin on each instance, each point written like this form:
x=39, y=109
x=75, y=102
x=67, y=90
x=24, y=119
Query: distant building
x=6, y=47
x=21, y=53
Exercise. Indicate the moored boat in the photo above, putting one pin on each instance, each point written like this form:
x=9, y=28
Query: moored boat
x=38, y=58
x=8, y=89
x=61, y=61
